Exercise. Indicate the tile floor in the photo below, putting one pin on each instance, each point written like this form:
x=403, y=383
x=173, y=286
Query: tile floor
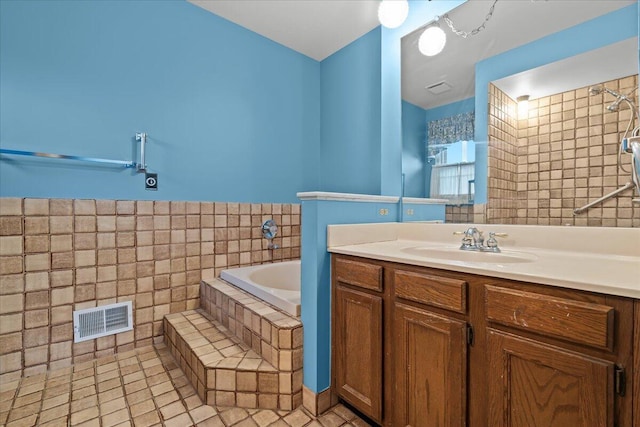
x=143, y=387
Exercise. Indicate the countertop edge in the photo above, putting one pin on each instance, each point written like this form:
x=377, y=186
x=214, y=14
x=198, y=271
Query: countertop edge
x=537, y=279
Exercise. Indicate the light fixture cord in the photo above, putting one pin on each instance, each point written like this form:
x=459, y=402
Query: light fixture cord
x=465, y=34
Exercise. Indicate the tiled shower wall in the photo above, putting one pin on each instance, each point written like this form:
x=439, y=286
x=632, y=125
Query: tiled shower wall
x=564, y=156
x=502, y=158
x=59, y=255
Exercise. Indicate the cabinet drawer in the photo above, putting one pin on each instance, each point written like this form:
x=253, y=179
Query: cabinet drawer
x=359, y=274
x=435, y=291
x=580, y=322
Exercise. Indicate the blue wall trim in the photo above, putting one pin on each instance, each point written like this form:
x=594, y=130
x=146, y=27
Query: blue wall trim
x=231, y=115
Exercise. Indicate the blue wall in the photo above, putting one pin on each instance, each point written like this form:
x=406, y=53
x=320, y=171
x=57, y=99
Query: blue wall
x=607, y=29
x=414, y=130
x=230, y=114
x=350, y=117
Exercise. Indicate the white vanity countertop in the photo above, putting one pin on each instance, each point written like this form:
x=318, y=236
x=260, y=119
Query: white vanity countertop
x=596, y=259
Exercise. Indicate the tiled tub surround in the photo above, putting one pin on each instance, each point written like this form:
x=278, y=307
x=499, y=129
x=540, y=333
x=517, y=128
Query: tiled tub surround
x=559, y=158
x=59, y=255
x=237, y=350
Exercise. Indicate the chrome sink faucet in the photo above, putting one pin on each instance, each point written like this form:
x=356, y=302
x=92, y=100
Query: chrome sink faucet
x=473, y=240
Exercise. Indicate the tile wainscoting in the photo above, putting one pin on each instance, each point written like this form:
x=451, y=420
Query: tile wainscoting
x=60, y=255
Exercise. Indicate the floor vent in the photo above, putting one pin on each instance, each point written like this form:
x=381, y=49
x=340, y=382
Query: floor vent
x=100, y=321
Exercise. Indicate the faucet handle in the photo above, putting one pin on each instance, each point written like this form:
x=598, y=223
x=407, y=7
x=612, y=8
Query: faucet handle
x=492, y=243
x=492, y=234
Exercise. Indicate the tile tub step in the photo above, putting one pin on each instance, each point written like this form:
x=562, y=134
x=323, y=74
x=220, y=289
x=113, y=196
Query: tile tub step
x=270, y=332
x=223, y=369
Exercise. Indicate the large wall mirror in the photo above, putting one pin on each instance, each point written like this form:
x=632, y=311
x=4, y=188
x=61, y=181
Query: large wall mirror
x=466, y=137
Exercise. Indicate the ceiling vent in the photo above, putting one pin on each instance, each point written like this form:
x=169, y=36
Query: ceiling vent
x=101, y=321
x=438, y=88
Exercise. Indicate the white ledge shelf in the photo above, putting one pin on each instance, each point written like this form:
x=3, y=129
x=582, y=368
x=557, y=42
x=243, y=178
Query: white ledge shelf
x=367, y=198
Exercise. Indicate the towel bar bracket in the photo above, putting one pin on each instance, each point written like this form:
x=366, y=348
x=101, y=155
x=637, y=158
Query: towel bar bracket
x=141, y=137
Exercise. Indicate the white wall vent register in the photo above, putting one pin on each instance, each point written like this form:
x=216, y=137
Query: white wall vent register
x=101, y=321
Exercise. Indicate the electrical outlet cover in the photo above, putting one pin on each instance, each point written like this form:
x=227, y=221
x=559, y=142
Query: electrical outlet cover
x=151, y=181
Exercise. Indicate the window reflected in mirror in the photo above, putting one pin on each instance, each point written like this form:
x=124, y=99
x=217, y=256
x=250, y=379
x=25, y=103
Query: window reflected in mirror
x=451, y=158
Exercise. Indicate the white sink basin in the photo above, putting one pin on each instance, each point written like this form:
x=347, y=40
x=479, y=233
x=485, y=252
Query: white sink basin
x=455, y=254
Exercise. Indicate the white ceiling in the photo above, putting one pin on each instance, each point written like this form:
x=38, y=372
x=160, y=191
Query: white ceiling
x=513, y=23
x=319, y=28
x=599, y=65
x=316, y=28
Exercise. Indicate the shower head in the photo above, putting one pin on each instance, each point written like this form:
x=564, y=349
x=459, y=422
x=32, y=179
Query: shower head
x=615, y=106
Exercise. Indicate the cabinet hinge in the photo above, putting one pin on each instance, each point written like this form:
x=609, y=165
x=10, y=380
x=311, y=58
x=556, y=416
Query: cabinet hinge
x=469, y=335
x=620, y=380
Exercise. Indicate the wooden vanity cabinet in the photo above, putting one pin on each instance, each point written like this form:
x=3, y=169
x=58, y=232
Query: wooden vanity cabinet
x=358, y=348
x=558, y=357
x=430, y=350
x=416, y=346
x=358, y=335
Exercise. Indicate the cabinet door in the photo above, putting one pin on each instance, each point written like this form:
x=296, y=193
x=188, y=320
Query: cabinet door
x=358, y=350
x=536, y=384
x=430, y=369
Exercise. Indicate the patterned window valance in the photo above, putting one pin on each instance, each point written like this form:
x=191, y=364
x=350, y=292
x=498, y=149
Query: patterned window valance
x=451, y=129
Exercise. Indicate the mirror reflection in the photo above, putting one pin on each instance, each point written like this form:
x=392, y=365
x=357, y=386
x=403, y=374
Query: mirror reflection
x=465, y=139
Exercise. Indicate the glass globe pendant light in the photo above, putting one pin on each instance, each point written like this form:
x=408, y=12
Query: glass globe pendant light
x=432, y=41
x=392, y=13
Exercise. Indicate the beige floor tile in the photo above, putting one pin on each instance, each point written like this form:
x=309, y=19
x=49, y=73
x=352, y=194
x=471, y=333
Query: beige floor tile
x=202, y=413
x=230, y=416
x=114, y=393
x=83, y=393
x=58, y=422
x=28, y=399
x=54, y=413
x=165, y=399
x=139, y=396
x=248, y=422
x=297, y=418
x=114, y=418
x=23, y=411
x=112, y=406
x=24, y=422
x=172, y=410
x=55, y=401
x=265, y=417
x=182, y=420
x=212, y=422
x=162, y=388
x=82, y=404
x=84, y=415
x=344, y=412
x=30, y=388
x=146, y=420
x=331, y=419
x=95, y=422
x=142, y=408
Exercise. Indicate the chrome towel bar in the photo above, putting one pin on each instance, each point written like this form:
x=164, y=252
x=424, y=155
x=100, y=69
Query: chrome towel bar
x=140, y=167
